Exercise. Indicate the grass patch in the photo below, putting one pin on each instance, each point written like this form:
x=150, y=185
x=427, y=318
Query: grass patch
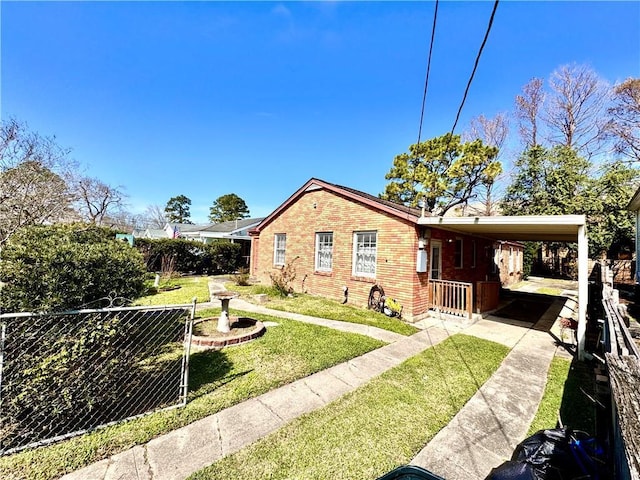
x=376, y=428
x=569, y=386
x=325, y=308
x=217, y=380
x=555, y=292
x=189, y=287
x=549, y=408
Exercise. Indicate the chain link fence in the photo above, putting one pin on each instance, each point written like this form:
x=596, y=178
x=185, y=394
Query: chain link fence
x=63, y=374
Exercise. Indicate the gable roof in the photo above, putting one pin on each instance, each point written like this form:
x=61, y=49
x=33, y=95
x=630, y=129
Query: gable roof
x=389, y=207
x=233, y=225
x=184, y=227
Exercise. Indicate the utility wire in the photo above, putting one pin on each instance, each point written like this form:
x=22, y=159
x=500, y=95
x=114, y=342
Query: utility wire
x=426, y=81
x=475, y=66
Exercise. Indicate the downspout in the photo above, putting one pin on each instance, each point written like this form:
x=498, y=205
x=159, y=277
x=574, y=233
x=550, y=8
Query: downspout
x=583, y=288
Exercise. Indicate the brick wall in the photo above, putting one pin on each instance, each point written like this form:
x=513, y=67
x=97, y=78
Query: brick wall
x=324, y=211
x=397, y=243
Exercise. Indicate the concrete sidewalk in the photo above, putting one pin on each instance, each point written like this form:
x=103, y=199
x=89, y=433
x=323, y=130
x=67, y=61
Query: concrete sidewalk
x=184, y=451
x=485, y=432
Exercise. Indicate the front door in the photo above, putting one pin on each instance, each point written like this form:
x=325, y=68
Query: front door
x=436, y=259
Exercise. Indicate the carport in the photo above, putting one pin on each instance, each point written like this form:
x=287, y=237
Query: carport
x=534, y=228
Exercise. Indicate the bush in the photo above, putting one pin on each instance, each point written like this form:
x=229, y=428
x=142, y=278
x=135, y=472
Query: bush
x=225, y=257
x=187, y=256
x=283, y=278
x=65, y=267
x=241, y=278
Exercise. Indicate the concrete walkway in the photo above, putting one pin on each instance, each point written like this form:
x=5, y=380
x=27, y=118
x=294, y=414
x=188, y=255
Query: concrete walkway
x=184, y=451
x=487, y=429
x=481, y=436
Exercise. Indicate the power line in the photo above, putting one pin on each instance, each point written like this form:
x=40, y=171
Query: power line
x=426, y=81
x=475, y=66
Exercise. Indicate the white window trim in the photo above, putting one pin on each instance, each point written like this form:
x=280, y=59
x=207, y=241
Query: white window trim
x=354, y=258
x=435, y=244
x=317, y=253
x=275, y=249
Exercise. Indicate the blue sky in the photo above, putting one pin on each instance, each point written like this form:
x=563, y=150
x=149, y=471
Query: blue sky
x=254, y=98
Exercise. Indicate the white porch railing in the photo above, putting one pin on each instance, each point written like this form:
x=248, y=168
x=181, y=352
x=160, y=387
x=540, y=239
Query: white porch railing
x=454, y=298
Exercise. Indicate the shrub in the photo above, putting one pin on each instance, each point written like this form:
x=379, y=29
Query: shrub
x=187, y=256
x=241, y=278
x=65, y=267
x=283, y=278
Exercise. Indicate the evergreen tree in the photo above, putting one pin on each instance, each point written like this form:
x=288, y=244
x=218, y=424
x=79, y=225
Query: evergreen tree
x=227, y=208
x=177, y=209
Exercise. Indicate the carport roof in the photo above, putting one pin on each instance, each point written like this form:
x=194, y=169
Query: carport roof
x=556, y=228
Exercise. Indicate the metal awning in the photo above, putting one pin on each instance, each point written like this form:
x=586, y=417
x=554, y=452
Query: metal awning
x=546, y=228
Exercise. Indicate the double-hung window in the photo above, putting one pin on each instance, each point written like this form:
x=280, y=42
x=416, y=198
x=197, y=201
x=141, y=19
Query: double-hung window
x=324, y=251
x=279, y=248
x=365, y=254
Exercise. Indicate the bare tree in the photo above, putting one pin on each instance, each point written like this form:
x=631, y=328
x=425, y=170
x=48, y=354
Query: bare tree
x=493, y=132
x=34, y=176
x=95, y=199
x=624, y=122
x=528, y=109
x=576, y=107
x=154, y=217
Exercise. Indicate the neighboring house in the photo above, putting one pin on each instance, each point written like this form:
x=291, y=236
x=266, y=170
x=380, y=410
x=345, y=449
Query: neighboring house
x=181, y=230
x=236, y=231
x=336, y=238
x=154, y=233
x=232, y=230
x=508, y=262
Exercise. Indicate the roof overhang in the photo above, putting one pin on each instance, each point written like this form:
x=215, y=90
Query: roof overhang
x=634, y=203
x=548, y=228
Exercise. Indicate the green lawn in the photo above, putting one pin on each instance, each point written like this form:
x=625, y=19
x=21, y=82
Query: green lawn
x=568, y=395
x=376, y=428
x=325, y=308
x=189, y=287
x=549, y=408
x=218, y=379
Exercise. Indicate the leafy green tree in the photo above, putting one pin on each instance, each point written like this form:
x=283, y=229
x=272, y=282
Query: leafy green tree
x=557, y=181
x=611, y=226
x=177, y=209
x=444, y=171
x=227, y=208
x=64, y=267
x=548, y=182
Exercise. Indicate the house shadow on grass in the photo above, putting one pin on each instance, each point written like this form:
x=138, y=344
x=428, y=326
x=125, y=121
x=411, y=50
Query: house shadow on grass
x=209, y=370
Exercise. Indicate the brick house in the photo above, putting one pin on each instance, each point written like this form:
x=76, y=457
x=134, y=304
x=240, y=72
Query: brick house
x=341, y=238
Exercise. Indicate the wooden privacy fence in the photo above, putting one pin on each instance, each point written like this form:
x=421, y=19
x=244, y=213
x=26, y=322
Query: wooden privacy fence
x=454, y=298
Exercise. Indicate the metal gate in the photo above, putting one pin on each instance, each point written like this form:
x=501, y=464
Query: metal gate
x=63, y=374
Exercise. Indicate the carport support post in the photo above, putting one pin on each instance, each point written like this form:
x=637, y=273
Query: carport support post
x=637, y=248
x=583, y=288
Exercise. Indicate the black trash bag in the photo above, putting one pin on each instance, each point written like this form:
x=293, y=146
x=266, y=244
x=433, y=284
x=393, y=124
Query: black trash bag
x=515, y=471
x=553, y=454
